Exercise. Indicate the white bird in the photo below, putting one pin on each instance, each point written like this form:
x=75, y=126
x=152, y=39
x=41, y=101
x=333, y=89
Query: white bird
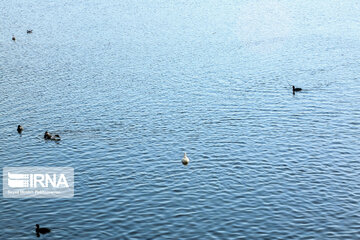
x=185, y=160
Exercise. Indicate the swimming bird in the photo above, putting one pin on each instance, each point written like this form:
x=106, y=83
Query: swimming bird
x=296, y=89
x=28, y=31
x=56, y=137
x=13, y=38
x=42, y=230
x=185, y=160
x=20, y=129
x=47, y=135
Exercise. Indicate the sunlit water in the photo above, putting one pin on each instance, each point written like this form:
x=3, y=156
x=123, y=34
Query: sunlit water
x=132, y=85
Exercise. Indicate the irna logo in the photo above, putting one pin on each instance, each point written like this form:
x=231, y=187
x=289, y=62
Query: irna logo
x=38, y=182
x=16, y=180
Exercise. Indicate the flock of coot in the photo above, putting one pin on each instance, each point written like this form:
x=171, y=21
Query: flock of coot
x=27, y=31
x=47, y=135
x=185, y=160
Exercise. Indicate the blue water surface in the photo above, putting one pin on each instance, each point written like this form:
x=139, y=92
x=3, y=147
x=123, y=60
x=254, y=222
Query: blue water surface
x=132, y=85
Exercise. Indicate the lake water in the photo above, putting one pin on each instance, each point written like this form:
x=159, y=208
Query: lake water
x=132, y=85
